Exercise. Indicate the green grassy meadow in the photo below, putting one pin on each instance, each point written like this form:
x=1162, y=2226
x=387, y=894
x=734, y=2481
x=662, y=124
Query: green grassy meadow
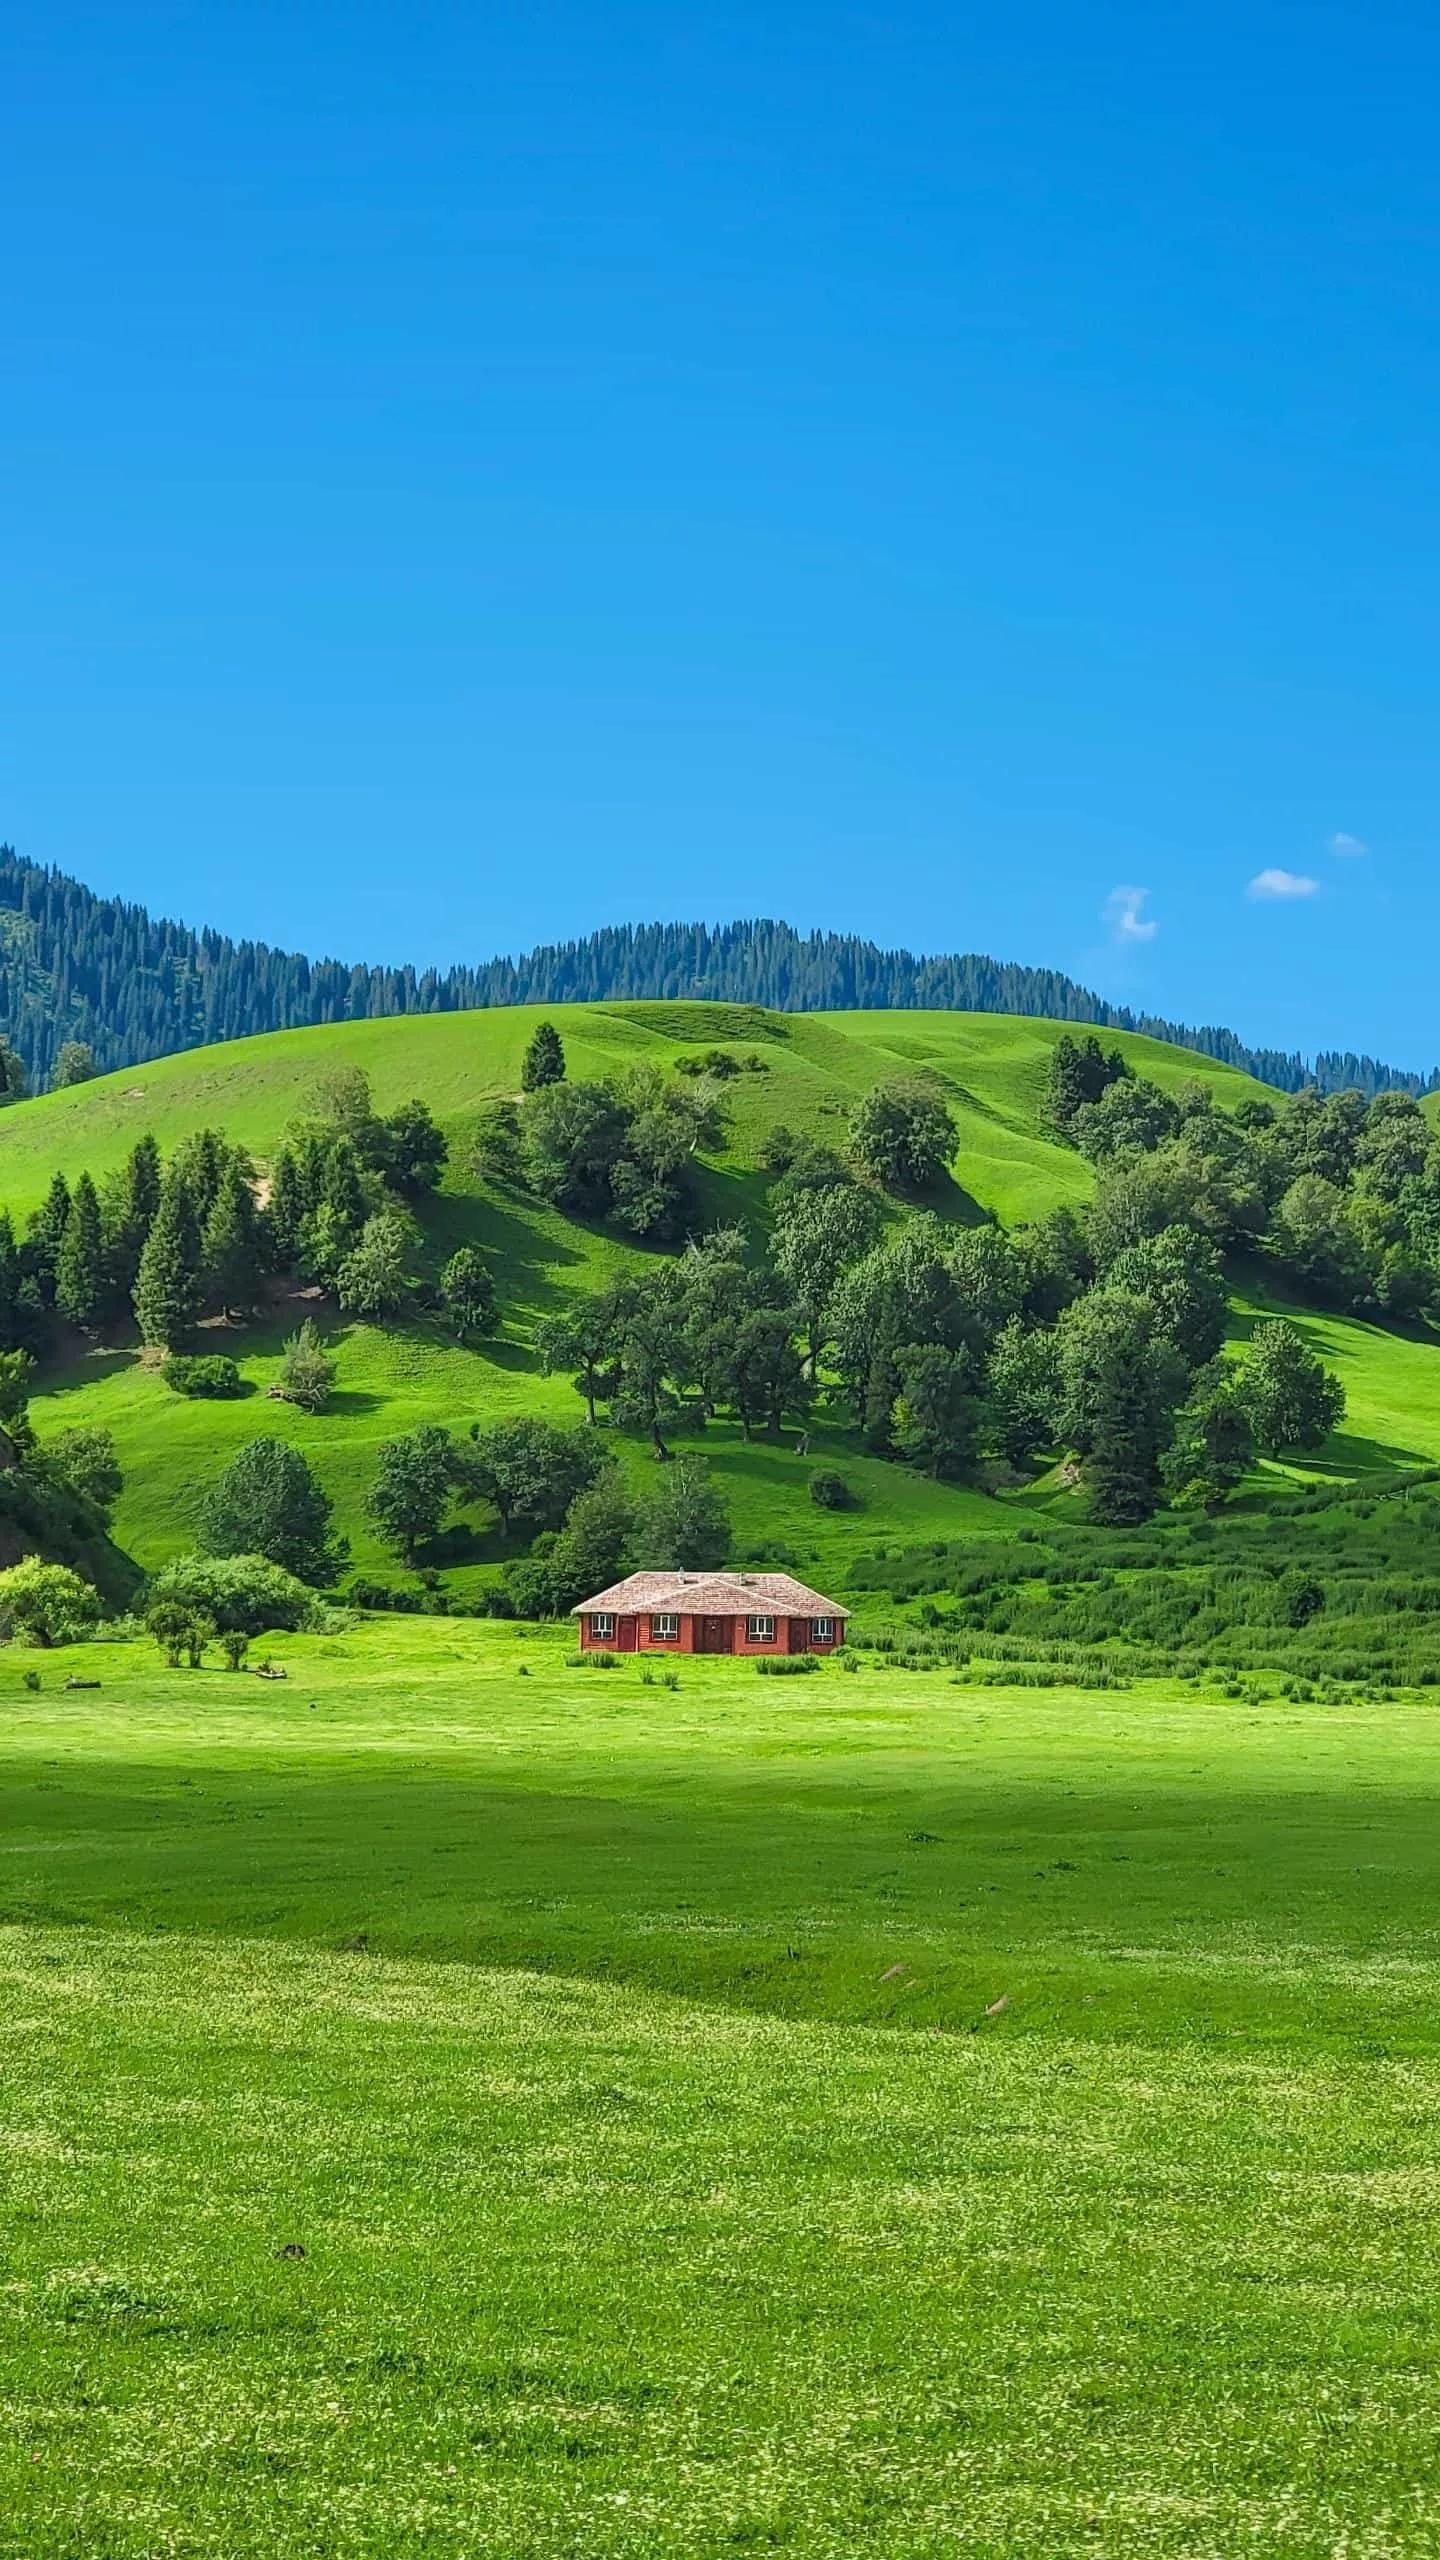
x=457, y=2102
x=992, y=1070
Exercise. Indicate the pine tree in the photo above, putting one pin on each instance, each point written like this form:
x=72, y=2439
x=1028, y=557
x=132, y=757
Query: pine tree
x=131, y=1213
x=9, y=1284
x=44, y=1237
x=168, y=1291
x=80, y=1274
x=231, y=1247
x=201, y=1164
x=13, y=1079
x=544, y=1060
x=287, y=1209
x=268, y=1503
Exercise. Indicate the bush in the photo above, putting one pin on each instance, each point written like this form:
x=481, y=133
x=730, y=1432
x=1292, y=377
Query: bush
x=782, y=1666
x=601, y=1661
x=830, y=1490
x=242, y=1595
x=204, y=1374
x=46, y=1603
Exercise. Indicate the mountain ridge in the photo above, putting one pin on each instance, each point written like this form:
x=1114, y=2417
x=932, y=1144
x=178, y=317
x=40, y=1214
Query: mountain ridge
x=76, y=966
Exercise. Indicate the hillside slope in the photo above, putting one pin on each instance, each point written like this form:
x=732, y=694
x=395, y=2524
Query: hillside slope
x=133, y=986
x=815, y=1066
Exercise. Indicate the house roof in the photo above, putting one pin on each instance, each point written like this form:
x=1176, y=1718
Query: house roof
x=712, y=1595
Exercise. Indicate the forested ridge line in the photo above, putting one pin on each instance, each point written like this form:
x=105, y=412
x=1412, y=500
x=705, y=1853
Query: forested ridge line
x=104, y=972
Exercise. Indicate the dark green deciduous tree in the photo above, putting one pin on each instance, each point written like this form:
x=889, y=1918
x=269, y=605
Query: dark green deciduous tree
x=85, y=1459
x=528, y=1469
x=268, y=1502
x=1292, y=1399
x=937, y=1413
x=684, y=1523
x=1213, y=1443
x=820, y=1233
x=412, y=1489
x=1120, y=1383
x=1179, y=1272
x=467, y=1290
x=901, y=1135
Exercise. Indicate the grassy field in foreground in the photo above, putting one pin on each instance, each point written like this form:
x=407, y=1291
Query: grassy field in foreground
x=447, y=2110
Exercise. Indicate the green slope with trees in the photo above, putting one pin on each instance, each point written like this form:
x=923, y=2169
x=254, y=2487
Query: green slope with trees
x=342, y=1238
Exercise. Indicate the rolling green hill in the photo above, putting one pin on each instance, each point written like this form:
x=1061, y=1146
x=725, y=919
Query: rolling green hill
x=815, y=1066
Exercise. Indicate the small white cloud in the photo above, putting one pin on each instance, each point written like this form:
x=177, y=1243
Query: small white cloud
x=1122, y=913
x=1347, y=846
x=1282, y=884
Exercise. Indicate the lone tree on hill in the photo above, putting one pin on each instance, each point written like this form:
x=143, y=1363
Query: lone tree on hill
x=468, y=1292
x=411, y=1492
x=307, y=1372
x=902, y=1135
x=1292, y=1399
x=268, y=1503
x=544, y=1060
x=74, y=1063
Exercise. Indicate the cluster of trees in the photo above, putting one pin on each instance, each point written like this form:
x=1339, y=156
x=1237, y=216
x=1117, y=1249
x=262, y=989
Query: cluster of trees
x=622, y=1148
x=625, y=1147
x=953, y=1346
x=1342, y=1193
x=171, y=1242
x=108, y=976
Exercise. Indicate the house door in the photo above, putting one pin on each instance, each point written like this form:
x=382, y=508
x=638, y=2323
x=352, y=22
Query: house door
x=715, y=1634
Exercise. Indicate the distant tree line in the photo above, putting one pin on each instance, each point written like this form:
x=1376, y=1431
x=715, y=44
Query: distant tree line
x=104, y=977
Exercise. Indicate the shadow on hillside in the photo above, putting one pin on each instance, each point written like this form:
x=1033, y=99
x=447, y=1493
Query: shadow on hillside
x=85, y=1371
x=411, y=1857
x=527, y=1256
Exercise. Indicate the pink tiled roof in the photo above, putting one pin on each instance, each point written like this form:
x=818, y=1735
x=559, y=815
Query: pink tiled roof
x=711, y=1595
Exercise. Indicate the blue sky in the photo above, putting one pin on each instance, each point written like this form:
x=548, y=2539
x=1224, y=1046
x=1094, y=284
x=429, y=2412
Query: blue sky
x=468, y=475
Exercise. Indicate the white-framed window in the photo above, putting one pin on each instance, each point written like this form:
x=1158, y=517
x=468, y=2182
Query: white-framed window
x=823, y=1630
x=760, y=1630
x=602, y=1625
x=664, y=1627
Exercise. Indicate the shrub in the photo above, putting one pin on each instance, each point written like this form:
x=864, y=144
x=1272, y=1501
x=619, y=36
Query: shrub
x=782, y=1666
x=829, y=1489
x=244, y=1595
x=46, y=1603
x=178, y=1630
x=307, y=1372
x=234, y=1644
x=595, y=1661
x=204, y=1374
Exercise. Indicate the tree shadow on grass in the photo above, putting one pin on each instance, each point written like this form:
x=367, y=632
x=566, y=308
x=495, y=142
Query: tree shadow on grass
x=96, y=1364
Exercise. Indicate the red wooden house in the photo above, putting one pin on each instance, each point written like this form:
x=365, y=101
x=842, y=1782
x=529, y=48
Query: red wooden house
x=710, y=1613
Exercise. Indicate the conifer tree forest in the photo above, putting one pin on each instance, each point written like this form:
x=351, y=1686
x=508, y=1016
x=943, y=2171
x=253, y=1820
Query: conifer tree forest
x=88, y=984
